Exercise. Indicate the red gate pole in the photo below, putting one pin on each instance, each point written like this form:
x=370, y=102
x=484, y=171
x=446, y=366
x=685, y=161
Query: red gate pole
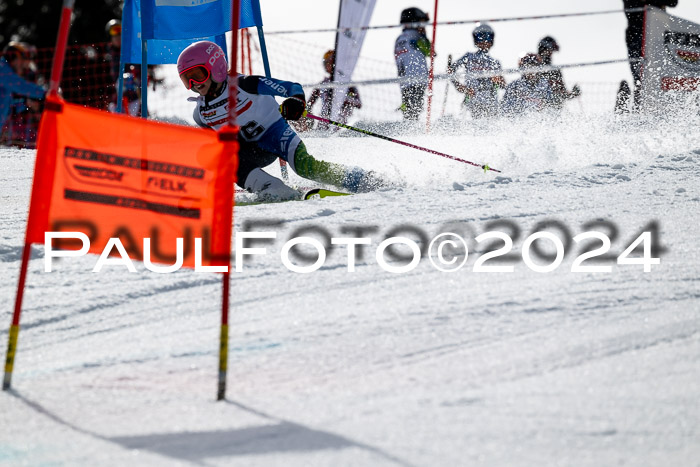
x=250, y=60
x=54, y=83
x=14, y=327
x=432, y=68
x=241, y=70
x=61, y=41
x=233, y=130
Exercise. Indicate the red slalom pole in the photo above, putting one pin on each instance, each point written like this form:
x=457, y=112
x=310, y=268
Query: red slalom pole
x=386, y=138
x=54, y=84
x=432, y=68
x=230, y=134
x=250, y=60
x=61, y=41
x=14, y=327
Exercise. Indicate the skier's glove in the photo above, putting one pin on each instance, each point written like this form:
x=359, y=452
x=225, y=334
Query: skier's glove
x=293, y=108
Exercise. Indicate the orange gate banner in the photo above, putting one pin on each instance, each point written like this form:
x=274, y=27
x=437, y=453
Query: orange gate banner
x=112, y=176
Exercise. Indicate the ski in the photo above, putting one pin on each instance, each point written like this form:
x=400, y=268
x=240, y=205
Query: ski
x=316, y=193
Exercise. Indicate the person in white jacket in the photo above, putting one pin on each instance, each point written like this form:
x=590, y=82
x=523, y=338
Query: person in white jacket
x=530, y=93
x=480, y=93
x=410, y=52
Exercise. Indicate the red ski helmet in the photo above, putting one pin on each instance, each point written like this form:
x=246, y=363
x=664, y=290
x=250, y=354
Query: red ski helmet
x=207, y=54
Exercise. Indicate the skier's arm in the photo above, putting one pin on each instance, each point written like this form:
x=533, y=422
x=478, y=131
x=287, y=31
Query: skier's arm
x=423, y=46
x=559, y=88
x=466, y=88
x=198, y=118
x=499, y=81
x=315, y=94
x=353, y=98
x=270, y=86
x=452, y=69
x=292, y=108
x=575, y=92
x=195, y=114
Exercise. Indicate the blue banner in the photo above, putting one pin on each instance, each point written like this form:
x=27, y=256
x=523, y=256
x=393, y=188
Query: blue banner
x=185, y=19
x=172, y=25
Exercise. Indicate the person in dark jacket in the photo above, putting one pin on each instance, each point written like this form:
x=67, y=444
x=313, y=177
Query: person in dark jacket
x=352, y=99
x=13, y=63
x=634, y=35
x=546, y=47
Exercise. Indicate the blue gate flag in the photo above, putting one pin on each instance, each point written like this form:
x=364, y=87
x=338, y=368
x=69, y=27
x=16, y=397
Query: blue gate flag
x=179, y=24
x=185, y=19
x=160, y=52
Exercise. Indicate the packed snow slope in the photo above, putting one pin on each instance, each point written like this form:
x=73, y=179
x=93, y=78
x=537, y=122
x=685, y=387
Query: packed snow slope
x=376, y=368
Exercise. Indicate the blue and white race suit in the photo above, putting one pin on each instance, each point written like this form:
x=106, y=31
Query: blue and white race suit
x=257, y=113
x=410, y=59
x=484, y=100
x=526, y=96
x=265, y=135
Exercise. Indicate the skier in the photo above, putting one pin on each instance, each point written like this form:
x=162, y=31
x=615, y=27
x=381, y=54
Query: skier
x=352, y=98
x=410, y=52
x=560, y=94
x=634, y=36
x=480, y=94
x=264, y=134
x=529, y=93
x=13, y=64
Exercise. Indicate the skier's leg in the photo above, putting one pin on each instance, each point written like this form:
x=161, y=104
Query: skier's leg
x=269, y=187
x=412, y=98
x=251, y=177
x=353, y=179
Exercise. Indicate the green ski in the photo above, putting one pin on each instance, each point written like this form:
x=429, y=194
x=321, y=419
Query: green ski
x=315, y=193
x=321, y=193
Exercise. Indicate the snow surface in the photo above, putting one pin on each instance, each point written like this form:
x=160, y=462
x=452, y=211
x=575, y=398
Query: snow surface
x=373, y=368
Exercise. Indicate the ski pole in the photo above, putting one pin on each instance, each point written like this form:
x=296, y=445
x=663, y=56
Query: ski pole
x=447, y=85
x=386, y=138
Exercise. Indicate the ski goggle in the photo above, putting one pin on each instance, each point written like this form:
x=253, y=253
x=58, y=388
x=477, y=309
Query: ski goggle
x=483, y=37
x=197, y=74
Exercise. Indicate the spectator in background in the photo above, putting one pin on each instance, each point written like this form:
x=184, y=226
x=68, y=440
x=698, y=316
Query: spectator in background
x=529, y=93
x=410, y=52
x=15, y=64
x=352, y=98
x=560, y=94
x=32, y=70
x=131, y=94
x=114, y=46
x=480, y=94
x=634, y=36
